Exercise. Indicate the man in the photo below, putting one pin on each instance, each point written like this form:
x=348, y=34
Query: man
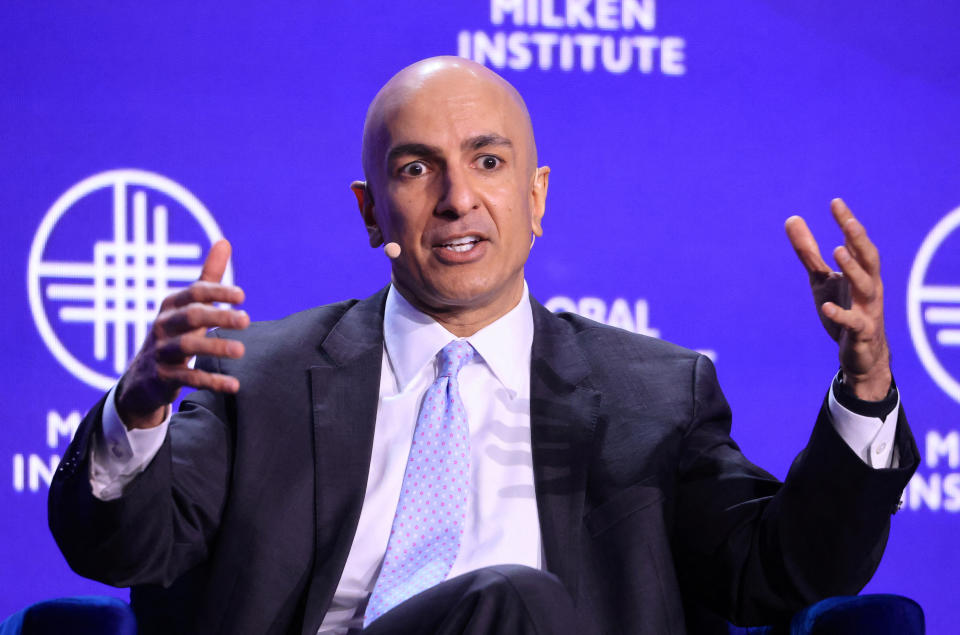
x=600, y=488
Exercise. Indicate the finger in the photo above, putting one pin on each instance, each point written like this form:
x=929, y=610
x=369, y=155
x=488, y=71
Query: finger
x=198, y=378
x=847, y=318
x=200, y=316
x=176, y=350
x=202, y=291
x=861, y=282
x=860, y=245
x=841, y=213
x=805, y=245
x=216, y=262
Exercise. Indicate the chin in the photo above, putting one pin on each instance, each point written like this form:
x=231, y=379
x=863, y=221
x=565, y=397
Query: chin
x=461, y=296
x=470, y=293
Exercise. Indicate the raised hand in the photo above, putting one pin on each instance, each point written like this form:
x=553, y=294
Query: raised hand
x=850, y=304
x=160, y=369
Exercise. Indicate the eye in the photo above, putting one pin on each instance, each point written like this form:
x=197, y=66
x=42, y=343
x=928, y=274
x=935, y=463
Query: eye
x=490, y=162
x=414, y=168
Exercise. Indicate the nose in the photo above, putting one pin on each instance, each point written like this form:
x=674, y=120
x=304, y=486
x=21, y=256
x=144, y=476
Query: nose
x=459, y=196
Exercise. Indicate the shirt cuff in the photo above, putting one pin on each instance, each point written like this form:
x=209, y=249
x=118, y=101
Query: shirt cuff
x=117, y=454
x=868, y=427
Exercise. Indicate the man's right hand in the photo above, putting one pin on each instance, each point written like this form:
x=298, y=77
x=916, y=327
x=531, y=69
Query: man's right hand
x=160, y=369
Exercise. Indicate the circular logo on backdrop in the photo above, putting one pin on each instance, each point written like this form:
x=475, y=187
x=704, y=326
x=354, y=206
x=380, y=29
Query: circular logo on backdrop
x=933, y=303
x=104, y=257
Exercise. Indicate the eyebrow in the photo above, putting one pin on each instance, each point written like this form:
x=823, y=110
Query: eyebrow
x=425, y=150
x=484, y=140
x=412, y=149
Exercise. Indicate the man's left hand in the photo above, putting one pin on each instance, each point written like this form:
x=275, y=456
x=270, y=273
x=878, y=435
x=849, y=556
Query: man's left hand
x=850, y=304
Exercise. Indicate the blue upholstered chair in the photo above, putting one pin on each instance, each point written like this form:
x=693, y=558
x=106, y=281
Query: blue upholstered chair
x=850, y=615
x=87, y=615
x=867, y=614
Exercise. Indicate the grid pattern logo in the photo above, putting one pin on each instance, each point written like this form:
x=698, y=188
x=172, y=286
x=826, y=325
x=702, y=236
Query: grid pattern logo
x=933, y=303
x=114, y=293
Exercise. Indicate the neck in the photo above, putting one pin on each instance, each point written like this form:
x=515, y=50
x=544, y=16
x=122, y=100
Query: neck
x=464, y=321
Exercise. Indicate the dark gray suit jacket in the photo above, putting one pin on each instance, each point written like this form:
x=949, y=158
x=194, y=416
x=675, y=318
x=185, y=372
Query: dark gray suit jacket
x=243, y=521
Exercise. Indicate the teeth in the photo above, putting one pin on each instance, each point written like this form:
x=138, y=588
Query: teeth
x=462, y=244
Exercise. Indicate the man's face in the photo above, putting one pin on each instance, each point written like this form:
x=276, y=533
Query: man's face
x=456, y=187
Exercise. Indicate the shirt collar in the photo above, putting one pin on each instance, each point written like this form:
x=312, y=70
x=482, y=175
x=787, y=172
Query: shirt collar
x=413, y=339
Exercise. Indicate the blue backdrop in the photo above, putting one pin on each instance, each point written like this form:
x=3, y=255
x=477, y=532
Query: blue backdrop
x=680, y=138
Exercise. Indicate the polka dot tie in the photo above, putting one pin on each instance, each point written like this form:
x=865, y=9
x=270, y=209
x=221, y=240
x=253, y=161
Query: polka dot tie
x=425, y=537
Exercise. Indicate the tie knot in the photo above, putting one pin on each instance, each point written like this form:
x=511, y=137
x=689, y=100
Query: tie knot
x=453, y=356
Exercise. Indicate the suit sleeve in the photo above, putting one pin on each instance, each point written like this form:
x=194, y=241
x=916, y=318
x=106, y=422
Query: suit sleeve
x=167, y=517
x=755, y=550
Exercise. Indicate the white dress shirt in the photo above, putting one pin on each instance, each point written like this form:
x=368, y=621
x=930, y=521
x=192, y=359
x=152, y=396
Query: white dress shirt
x=502, y=525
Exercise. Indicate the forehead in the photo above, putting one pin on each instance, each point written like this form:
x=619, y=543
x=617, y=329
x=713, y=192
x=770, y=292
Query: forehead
x=448, y=111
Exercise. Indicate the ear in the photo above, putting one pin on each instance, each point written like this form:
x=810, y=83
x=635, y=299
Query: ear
x=538, y=194
x=365, y=203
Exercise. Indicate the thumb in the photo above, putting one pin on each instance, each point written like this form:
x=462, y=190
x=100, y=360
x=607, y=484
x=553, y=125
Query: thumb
x=216, y=262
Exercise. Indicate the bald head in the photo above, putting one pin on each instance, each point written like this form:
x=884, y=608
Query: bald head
x=431, y=83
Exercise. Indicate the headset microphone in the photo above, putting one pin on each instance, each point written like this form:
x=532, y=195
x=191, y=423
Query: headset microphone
x=392, y=250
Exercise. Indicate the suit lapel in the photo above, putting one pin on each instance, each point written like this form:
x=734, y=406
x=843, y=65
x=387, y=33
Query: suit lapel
x=344, y=390
x=563, y=412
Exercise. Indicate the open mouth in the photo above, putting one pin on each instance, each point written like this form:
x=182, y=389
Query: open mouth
x=460, y=245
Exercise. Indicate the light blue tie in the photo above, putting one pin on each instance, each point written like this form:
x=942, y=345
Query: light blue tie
x=425, y=537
